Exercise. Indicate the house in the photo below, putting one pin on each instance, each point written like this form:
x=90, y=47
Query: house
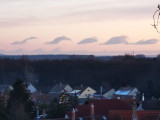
x=83, y=92
x=104, y=93
x=59, y=88
x=5, y=89
x=31, y=88
x=109, y=94
x=126, y=93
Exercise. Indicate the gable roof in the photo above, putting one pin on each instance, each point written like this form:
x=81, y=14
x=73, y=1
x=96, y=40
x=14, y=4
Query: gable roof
x=31, y=88
x=58, y=88
x=124, y=90
x=108, y=91
x=103, y=91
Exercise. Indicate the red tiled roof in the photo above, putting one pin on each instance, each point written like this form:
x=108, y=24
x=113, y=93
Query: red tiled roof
x=130, y=102
x=125, y=114
x=101, y=107
x=142, y=115
x=148, y=115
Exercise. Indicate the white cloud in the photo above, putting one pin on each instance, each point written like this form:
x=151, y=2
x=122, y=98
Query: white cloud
x=23, y=41
x=59, y=39
x=88, y=40
x=145, y=42
x=117, y=40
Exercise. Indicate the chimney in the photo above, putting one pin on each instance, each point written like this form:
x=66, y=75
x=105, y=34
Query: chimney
x=73, y=114
x=143, y=97
x=134, y=112
x=92, y=111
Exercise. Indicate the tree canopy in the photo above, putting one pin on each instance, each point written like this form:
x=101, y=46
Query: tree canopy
x=20, y=103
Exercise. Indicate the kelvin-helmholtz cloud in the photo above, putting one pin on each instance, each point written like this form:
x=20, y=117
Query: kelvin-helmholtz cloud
x=145, y=42
x=23, y=41
x=117, y=40
x=88, y=40
x=58, y=40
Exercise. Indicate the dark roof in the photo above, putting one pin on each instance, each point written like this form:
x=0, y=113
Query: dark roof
x=58, y=88
x=80, y=88
x=104, y=91
x=126, y=88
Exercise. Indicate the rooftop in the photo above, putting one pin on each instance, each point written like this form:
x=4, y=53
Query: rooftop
x=102, y=107
x=124, y=90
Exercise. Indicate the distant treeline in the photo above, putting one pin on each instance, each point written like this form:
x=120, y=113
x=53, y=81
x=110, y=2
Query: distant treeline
x=143, y=73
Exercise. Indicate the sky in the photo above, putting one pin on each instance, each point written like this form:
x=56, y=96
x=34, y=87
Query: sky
x=99, y=27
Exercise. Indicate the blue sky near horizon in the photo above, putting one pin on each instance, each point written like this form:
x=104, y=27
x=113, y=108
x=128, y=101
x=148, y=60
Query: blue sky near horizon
x=60, y=26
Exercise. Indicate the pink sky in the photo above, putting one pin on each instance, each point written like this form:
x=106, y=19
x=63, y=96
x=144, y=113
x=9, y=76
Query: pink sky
x=57, y=26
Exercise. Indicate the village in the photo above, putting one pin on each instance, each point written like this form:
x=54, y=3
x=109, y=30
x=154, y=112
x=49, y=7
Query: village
x=125, y=103
x=79, y=60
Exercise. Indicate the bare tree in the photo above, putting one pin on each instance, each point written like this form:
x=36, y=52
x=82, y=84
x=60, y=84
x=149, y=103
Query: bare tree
x=156, y=18
x=30, y=74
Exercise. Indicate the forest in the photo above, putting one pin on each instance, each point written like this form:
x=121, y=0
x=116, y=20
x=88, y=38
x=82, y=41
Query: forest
x=127, y=70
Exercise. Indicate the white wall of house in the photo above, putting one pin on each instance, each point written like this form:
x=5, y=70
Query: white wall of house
x=87, y=92
x=109, y=94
